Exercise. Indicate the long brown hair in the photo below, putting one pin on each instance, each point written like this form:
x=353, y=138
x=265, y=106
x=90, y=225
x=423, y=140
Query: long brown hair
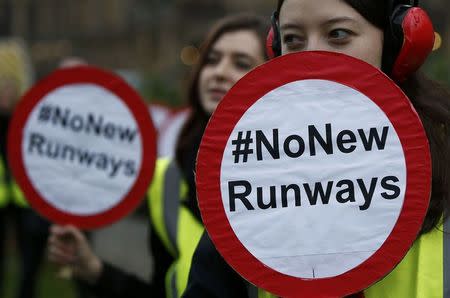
x=195, y=124
x=432, y=103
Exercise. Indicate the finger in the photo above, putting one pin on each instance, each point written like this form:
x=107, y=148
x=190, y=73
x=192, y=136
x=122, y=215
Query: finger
x=60, y=242
x=64, y=236
x=60, y=256
x=68, y=234
x=57, y=229
x=61, y=250
x=76, y=233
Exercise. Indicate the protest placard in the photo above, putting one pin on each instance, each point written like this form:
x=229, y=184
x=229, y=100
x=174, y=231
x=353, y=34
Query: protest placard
x=313, y=175
x=82, y=147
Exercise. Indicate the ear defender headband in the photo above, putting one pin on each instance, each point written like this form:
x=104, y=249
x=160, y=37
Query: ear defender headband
x=410, y=33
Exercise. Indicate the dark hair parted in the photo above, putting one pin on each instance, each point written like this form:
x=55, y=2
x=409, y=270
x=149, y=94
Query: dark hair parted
x=188, y=141
x=432, y=103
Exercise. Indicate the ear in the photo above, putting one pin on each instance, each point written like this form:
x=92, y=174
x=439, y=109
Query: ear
x=417, y=31
x=273, y=40
x=269, y=44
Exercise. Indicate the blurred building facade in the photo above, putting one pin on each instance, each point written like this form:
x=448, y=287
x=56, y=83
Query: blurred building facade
x=139, y=34
x=144, y=35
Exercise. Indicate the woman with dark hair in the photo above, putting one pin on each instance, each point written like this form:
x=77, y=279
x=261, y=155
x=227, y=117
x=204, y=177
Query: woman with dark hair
x=360, y=28
x=206, y=88
x=234, y=46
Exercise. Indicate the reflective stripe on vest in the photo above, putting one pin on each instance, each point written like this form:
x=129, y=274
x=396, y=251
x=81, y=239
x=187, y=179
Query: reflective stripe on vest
x=178, y=229
x=171, y=203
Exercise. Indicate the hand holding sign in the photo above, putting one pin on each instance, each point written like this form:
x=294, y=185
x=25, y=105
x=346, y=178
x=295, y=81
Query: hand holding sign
x=317, y=180
x=67, y=246
x=82, y=147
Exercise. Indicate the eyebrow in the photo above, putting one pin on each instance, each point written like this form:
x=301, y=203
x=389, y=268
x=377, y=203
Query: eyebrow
x=339, y=20
x=242, y=55
x=291, y=26
x=327, y=23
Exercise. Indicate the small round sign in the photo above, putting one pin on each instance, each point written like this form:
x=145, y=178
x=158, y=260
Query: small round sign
x=313, y=175
x=82, y=147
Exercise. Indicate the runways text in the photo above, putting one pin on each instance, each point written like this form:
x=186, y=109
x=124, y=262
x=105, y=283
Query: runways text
x=313, y=194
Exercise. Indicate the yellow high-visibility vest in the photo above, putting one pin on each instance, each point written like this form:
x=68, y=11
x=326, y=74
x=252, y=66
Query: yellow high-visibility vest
x=17, y=195
x=423, y=273
x=173, y=222
x=10, y=191
x=4, y=196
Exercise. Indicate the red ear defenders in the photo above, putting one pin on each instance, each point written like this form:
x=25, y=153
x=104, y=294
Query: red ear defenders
x=410, y=39
x=273, y=41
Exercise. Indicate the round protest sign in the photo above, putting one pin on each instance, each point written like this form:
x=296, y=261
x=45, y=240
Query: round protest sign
x=81, y=145
x=313, y=175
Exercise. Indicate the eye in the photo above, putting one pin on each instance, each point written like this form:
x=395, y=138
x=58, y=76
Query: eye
x=243, y=64
x=293, y=41
x=340, y=35
x=212, y=58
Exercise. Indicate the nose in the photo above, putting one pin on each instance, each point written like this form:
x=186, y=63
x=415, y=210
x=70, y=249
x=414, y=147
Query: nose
x=315, y=43
x=222, y=69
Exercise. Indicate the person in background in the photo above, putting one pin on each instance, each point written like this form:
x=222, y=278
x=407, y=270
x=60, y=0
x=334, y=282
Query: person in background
x=72, y=61
x=31, y=230
x=233, y=47
x=360, y=28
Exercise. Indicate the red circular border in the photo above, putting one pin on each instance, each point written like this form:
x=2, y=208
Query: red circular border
x=116, y=85
x=355, y=74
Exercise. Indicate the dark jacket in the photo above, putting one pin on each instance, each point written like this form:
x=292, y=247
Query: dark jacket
x=212, y=277
x=114, y=282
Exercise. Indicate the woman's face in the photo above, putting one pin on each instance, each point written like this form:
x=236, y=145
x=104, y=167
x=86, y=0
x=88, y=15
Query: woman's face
x=232, y=56
x=329, y=25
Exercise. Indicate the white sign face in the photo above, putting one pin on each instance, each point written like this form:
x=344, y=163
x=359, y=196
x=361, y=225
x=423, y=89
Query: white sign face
x=336, y=186
x=82, y=149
